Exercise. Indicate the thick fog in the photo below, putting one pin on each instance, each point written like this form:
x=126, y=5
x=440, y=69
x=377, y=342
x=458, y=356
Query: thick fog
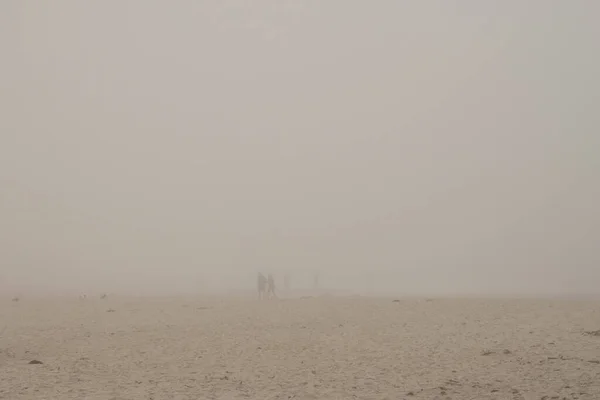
x=393, y=146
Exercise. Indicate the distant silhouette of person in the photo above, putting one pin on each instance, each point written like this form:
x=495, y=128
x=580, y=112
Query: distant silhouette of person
x=262, y=286
x=271, y=286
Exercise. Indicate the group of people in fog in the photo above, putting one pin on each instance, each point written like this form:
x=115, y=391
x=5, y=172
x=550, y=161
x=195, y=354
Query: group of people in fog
x=266, y=285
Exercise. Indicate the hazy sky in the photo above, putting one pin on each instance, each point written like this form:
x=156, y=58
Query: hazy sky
x=454, y=144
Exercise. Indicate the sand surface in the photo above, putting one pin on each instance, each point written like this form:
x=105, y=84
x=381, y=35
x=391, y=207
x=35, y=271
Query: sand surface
x=316, y=348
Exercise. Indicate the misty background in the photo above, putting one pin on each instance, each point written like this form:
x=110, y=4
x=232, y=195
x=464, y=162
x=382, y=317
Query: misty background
x=400, y=146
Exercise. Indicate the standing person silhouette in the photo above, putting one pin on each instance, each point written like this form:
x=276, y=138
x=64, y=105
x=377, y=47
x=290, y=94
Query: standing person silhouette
x=271, y=286
x=262, y=283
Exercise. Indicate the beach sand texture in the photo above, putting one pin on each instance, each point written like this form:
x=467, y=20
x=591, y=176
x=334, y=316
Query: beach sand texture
x=315, y=348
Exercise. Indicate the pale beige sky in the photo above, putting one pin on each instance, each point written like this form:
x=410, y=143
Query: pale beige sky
x=449, y=144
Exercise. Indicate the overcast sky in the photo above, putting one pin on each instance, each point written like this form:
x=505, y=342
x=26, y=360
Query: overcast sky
x=440, y=144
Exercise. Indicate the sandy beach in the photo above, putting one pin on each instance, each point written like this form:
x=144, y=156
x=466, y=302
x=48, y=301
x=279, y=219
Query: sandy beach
x=312, y=348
